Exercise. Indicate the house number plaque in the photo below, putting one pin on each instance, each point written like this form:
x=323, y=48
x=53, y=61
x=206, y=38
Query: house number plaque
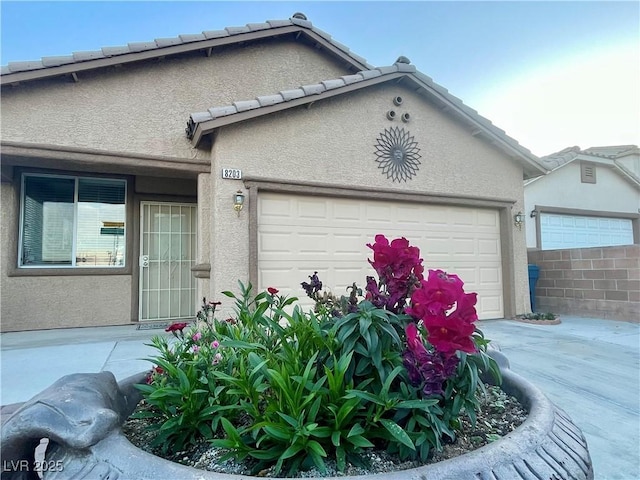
x=232, y=173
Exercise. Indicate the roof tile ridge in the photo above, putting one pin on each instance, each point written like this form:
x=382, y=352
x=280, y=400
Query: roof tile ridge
x=134, y=47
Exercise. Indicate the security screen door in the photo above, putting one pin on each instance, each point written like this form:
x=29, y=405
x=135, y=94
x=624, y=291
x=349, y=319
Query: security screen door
x=167, y=254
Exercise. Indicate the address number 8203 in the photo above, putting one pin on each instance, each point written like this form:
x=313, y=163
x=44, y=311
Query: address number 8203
x=233, y=173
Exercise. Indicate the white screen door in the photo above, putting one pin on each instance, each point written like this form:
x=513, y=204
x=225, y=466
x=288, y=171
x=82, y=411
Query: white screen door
x=167, y=254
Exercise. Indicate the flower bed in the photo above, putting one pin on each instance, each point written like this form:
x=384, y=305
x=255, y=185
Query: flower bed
x=393, y=367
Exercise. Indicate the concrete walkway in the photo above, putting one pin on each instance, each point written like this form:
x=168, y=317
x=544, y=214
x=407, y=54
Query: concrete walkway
x=588, y=367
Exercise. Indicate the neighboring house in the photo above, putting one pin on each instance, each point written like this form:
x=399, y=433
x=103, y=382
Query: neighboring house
x=589, y=198
x=113, y=214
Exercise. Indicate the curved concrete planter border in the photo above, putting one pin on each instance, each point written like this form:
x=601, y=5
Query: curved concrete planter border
x=546, y=446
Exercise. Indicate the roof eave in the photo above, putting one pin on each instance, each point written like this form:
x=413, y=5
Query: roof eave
x=76, y=67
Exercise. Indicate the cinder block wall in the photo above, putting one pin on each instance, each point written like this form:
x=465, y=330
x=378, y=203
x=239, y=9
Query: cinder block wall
x=592, y=282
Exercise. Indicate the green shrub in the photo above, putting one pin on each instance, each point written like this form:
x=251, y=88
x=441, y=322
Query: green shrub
x=290, y=389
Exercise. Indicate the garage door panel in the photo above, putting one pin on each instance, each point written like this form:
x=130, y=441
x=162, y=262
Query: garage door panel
x=312, y=209
x=314, y=243
x=379, y=214
x=463, y=217
x=489, y=276
x=488, y=218
x=330, y=236
x=488, y=247
x=559, y=231
x=490, y=305
x=463, y=246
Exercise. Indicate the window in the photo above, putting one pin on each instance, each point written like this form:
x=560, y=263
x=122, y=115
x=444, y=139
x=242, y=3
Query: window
x=72, y=222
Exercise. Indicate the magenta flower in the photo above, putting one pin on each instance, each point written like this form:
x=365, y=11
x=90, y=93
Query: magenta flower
x=176, y=327
x=436, y=295
x=399, y=268
x=215, y=344
x=196, y=336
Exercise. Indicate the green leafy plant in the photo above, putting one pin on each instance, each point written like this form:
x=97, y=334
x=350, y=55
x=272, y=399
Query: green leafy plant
x=289, y=388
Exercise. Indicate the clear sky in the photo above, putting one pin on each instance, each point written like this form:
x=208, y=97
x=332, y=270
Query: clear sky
x=552, y=74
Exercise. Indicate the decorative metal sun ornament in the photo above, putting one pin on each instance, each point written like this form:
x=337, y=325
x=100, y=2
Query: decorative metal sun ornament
x=398, y=154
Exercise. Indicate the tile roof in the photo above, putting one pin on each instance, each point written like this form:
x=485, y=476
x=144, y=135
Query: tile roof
x=616, y=151
x=293, y=94
x=159, y=47
x=613, y=153
x=62, y=65
x=556, y=160
x=202, y=123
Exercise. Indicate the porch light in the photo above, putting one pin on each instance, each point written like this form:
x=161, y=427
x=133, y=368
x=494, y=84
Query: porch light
x=518, y=220
x=238, y=201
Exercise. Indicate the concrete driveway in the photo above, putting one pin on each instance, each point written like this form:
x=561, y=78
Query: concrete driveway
x=591, y=369
x=588, y=367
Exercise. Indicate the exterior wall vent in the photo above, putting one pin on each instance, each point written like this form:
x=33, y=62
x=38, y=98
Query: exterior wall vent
x=587, y=173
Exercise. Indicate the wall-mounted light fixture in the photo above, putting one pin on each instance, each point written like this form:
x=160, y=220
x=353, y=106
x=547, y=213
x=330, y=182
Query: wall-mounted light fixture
x=518, y=220
x=238, y=201
x=533, y=214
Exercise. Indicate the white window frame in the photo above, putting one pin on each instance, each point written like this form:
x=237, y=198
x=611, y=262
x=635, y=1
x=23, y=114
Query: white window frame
x=73, y=265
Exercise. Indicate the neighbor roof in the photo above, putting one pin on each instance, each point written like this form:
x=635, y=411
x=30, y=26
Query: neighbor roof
x=297, y=26
x=609, y=155
x=558, y=159
x=201, y=124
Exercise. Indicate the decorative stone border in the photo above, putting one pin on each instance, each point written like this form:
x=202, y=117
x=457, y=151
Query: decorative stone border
x=532, y=321
x=546, y=446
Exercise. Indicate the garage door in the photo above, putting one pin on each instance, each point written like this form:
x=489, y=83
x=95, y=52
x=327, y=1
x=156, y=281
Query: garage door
x=576, y=231
x=298, y=235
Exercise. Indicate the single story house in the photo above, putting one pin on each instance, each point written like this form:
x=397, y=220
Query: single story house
x=589, y=198
x=296, y=153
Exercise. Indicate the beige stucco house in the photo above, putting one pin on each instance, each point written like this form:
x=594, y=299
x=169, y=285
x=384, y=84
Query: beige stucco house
x=113, y=212
x=589, y=198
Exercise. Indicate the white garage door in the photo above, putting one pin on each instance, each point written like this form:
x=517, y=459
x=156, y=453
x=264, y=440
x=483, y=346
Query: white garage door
x=574, y=231
x=298, y=235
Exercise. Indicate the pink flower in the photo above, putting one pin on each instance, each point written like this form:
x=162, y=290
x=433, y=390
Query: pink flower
x=196, y=336
x=195, y=349
x=215, y=344
x=216, y=359
x=272, y=291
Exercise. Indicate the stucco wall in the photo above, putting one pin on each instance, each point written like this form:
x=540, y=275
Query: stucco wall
x=143, y=108
x=563, y=188
x=334, y=142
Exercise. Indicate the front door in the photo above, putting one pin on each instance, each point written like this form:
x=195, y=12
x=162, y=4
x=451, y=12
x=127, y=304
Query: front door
x=167, y=254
